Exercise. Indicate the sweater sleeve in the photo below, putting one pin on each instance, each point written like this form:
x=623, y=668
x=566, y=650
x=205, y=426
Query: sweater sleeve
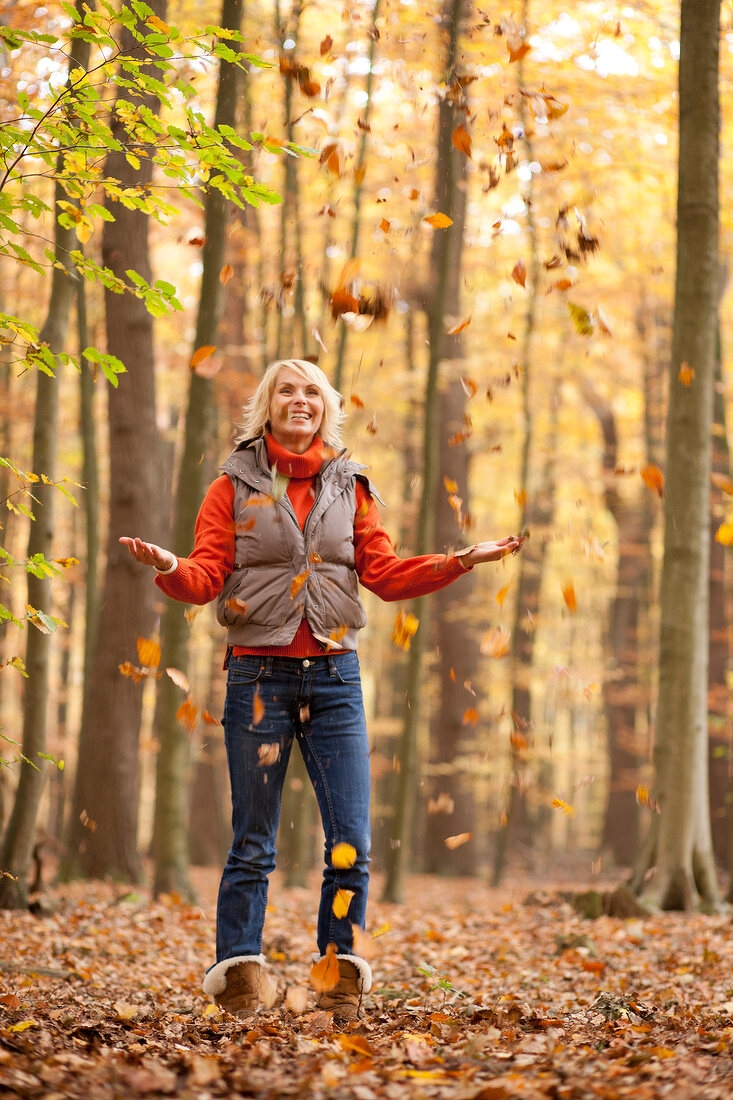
x=382, y=571
x=200, y=577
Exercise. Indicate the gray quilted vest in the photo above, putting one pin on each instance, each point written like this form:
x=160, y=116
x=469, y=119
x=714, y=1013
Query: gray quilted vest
x=283, y=573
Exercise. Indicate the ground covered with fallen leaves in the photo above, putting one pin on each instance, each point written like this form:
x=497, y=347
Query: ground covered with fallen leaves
x=478, y=994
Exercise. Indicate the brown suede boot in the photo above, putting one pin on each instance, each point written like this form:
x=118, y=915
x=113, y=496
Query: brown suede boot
x=344, y=1000
x=234, y=984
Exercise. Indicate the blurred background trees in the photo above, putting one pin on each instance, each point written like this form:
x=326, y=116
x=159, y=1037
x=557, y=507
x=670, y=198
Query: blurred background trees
x=477, y=239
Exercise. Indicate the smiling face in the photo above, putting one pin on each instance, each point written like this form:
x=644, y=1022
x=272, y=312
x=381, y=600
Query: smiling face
x=296, y=410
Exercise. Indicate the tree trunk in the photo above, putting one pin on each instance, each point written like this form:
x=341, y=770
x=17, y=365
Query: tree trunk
x=171, y=790
x=399, y=853
x=16, y=851
x=685, y=870
x=719, y=702
x=102, y=839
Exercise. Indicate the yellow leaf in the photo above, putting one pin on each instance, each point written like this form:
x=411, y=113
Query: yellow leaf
x=298, y=583
x=212, y=1010
x=520, y=495
x=438, y=221
x=582, y=320
x=341, y=903
x=568, y=594
x=343, y=856
x=226, y=274
x=325, y=973
x=157, y=24
x=560, y=805
x=66, y=563
x=23, y=1025
x=258, y=708
x=724, y=534
x=382, y=930
x=591, y=690
x=457, y=841
x=148, y=652
x=405, y=627
x=501, y=594
x=450, y=484
x=722, y=481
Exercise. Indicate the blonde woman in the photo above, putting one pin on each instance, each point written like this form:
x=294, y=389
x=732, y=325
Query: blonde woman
x=282, y=540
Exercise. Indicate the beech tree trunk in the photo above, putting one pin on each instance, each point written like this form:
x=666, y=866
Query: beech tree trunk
x=720, y=715
x=16, y=851
x=102, y=838
x=400, y=850
x=685, y=871
x=171, y=788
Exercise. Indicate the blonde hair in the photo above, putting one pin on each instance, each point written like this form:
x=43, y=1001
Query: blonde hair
x=257, y=409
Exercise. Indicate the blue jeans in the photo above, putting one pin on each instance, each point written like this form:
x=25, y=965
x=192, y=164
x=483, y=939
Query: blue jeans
x=270, y=701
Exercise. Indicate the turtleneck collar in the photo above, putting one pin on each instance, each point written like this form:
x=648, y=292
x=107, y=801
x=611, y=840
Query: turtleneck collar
x=292, y=465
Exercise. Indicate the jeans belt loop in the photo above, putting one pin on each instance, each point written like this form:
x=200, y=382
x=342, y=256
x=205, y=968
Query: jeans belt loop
x=268, y=666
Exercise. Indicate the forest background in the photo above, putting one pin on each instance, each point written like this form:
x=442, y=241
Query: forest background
x=476, y=241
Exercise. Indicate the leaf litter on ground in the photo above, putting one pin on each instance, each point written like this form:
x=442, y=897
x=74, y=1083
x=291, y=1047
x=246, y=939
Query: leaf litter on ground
x=479, y=994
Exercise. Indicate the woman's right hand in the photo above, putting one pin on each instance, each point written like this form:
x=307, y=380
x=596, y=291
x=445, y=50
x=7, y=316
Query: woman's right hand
x=147, y=553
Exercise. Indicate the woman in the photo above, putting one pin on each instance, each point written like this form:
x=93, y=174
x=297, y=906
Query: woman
x=282, y=539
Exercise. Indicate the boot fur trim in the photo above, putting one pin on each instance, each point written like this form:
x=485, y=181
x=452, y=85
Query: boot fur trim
x=215, y=980
x=364, y=970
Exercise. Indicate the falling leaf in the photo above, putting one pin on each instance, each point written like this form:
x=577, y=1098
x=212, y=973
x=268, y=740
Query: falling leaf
x=341, y=903
x=443, y=804
x=517, y=48
x=296, y=999
x=148, y=652
x=236, y=606
x=591, y=690
x=438, y=221
x=356, y=401
x=298, y=583
x=686, y=374
x=201, y=354
x=496, y=642
x=187, y=714
x=210, y=719
x=582, y=320
x=653, y=478
x=226, y=274
x=519, y=272
x=501, y=594
x=454, y=842
x=179, y=679
x=568, y=594
x=520, y=495
x=278, y=483
x=258, y=707
x=559, y=804
x=724, y=534
x=333, y=155
x=268, y=753
x=191, y=612
x=66, y=563
x=325, y=46
x=372, y=425
x=470, y=717
x=325, y=973
x=468, y=385
x=136, y=674
x=722, y=481
x=405, y=627
x=450, y=484
x=88, y=822
x=384, y=225
x=357, y=322
x=644, y=798
x=462, y=140
x=359, y=174
x=343, y=856
x=603, y=326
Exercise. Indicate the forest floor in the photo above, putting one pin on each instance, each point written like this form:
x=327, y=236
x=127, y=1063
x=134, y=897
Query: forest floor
x=100, y=998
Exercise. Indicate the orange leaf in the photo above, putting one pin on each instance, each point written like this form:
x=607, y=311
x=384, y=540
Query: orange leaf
x=470, y=717
x=687, y=374
x=258, y=708
x=298, y=583
x=462, y=140
x=439, y=221
x=356, y=401
x=653, y=478
x=225, y=274
x=325, y=973
x=519, y=272
x=209, y=718
x=405, y=626
x=341, y=903
x=268, y=753
x=560, y=805
x=496, y=642
x=187, y=714
x=459, y=327
x=355, y=1043
x=201, y=354
x=239, y=607
x=148, y=652
x=501, y=594
x=454, y=842
x=568, y=594
x=326, y=44
x=722, y=481
x=343, y=856
x=724, y=534
x=135, y=674
x=593, y=966
x=359, y=174
x=450, y=484
x=517, y=48
x=384, y=225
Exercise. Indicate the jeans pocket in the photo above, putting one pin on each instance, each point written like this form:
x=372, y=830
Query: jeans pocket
x=244, y=671
x=346, y=669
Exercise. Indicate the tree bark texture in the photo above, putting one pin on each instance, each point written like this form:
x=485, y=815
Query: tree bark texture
x=102, y=839
x=684, y=869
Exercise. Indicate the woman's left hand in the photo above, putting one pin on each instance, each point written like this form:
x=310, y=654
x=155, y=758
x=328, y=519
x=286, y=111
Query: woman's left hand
x=491, y=551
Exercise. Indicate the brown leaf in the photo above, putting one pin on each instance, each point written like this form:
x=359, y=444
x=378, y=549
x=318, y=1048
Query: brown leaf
x=326, y=45
x=384, y=225
x=325, y=973
x=225, y=274
x=372, y=425
x=519, y=272
x=462, y=140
